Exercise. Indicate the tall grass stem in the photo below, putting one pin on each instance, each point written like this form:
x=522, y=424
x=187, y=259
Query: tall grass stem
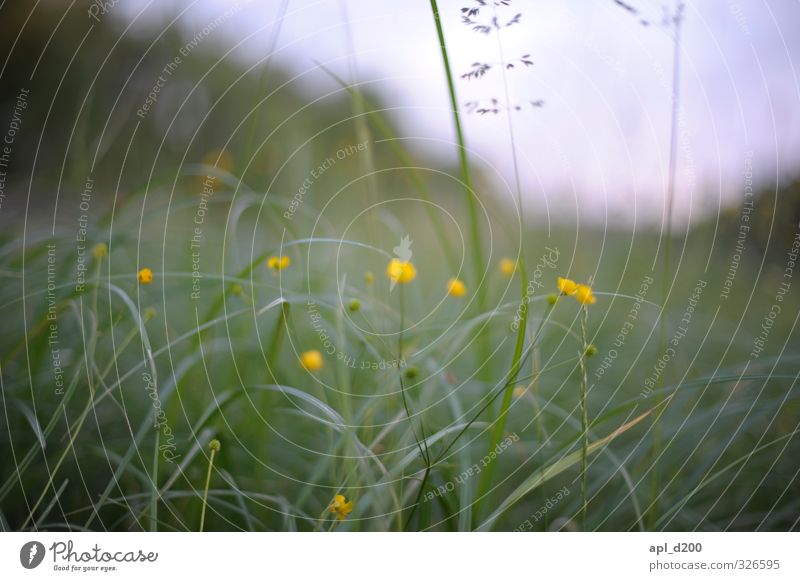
x=677, y=18
x=214, y=446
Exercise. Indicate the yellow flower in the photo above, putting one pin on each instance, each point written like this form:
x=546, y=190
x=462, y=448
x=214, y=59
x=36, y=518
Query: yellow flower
x=567, y=286
x=219, y=158
x=145, y=276
x=456, y=288
x=508, y=266
x=340, y=507
x=100, y=250
x=311, y=360
x=278, y=263
x=583, y=293
x=401, y=271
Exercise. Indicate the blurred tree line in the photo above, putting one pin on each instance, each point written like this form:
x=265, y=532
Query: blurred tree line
x=90, y=89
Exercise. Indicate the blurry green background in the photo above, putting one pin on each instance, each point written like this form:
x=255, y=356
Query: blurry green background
x=88, y=457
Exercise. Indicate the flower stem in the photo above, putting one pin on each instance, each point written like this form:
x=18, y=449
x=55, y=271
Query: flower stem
x=214, y=447
x=584, y=415
x=422, y=444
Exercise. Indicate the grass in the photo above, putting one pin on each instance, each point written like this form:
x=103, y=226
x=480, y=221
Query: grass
x=291, y=445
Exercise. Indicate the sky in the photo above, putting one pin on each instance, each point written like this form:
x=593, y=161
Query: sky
x=598, y=146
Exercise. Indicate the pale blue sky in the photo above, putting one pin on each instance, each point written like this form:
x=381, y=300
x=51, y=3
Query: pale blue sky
x=599, y=145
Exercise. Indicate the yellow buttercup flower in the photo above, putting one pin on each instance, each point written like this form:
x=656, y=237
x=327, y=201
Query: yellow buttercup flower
x=341, y=507
x=219, y=158
x=567, y=286
x=311, y=360
x=278, y=262
x=145, y=276
x=583, y=294
x=456, y=288
x=99, y=250
x=508, y=266
x=401, y=271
